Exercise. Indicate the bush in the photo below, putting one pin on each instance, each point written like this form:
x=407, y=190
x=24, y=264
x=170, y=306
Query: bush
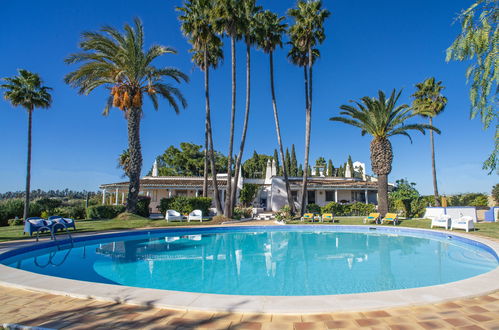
x=313, y=208
x=359, y=208
x=419, y=205
x=248, y=193
x=15, y=222
x=242, y=212
x=467, y=199
x=143, y=206
x=283, y=214
x=185, y=204
x=480, y=201
x=334, y=208
x=74, y=212
x=355, y=209
x=104, y=211
x=48, y=204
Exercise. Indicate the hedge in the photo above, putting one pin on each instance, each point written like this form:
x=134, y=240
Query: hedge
x=185, y=204
x=143, y=206
x=354, y=209
x=104, y=211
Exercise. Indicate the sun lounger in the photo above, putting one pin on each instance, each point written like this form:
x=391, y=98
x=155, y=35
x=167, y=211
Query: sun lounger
x=307, y=217
x=172, y=215
x=34, y=224
x=327, y=217
x=464, y=222
x=441, y=221
x=391, y=217
x=66, y=222
x=372, y=217
x=195, y=215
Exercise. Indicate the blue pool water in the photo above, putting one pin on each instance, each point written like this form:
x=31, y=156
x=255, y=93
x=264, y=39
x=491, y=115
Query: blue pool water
x=279, y=261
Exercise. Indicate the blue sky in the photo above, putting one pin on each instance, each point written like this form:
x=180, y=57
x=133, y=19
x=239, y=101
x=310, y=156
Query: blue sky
x=370, y=45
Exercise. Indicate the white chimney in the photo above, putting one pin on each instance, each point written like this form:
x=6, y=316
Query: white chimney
x=155, y=168
x=274, y=168
x=268, y=171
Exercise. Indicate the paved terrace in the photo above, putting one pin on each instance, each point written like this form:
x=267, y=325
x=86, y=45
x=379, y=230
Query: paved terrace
x=61, y=312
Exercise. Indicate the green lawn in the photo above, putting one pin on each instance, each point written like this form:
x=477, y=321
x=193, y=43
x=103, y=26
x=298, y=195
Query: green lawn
x=15, y=232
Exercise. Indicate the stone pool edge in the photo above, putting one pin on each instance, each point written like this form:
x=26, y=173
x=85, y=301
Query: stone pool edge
x=471, y=287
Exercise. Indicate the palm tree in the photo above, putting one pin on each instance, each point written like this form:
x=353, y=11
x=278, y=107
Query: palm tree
x=228, y=20
x=197, y=24
x=249, y=11
x=27, y=90
x=428, y=102
x=269, y=36
x=124, y=162
x=119, y=62
x=305, y=34
x=381, y=119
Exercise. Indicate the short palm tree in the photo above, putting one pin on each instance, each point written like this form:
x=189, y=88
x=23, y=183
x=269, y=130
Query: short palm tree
x=227, y=15
x=305, y=34
x=249, y=10
x=119, y=62
x=197, y=24
x=381, y=118
x=124, y=162
x=429, y=102
x=269, y=36
x=27, y=90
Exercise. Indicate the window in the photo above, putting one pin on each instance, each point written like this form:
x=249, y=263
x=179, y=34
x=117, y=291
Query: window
x=295, y=195
x=329, y=195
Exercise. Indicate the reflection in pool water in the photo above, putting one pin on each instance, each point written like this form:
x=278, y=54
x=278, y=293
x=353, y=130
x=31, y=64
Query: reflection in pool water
x=265, y=262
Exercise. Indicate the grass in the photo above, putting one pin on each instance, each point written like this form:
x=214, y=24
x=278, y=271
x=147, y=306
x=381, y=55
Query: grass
x=130, y=221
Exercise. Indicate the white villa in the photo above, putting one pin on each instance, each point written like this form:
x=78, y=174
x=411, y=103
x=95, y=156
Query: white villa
x=271, y=196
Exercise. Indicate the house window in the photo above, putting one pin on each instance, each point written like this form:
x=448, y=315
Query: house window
x=295, y=195
x=329, y=195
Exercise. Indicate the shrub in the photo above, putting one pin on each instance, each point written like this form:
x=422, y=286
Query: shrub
x=219, y=219
x=185, y=204
x=359, y=208
x=143, y=206
x=481, y=200
x=334, y=208
x=104, y=211
x=419, y=205
x=242, y=212
x=48, y=204
x=74, y=212
x=283, y=214
x=15, y=222
x=248, y=193
x=313, y=208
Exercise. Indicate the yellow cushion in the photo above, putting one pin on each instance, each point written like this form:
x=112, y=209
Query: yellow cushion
x=308, y=215
x=327, y=216
x=390, y=216
x=373, y=215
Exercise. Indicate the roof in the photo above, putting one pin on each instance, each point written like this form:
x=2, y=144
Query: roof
x=335, y=183
x=167, y=181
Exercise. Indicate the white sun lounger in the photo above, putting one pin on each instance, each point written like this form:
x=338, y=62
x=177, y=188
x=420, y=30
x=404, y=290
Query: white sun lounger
x=464, y=222
x=441, y=220
x=195, y=215
x=172, y=215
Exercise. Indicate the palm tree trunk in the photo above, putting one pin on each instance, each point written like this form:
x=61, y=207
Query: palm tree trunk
x=134, y=115
x=382, y=194
x=433, y=167
x=278, y=131
x=308, y=124
x=205, y=173
x=228, y=201
x=216, y=196
x=28, y=166
x=245, y=126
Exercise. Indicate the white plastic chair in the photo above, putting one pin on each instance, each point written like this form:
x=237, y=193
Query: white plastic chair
x=195, y=215
x=172, y=215
x=464, y=222
x=442, y=220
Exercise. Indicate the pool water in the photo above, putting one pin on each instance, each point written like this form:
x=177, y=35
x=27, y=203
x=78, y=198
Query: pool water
x=264, y=261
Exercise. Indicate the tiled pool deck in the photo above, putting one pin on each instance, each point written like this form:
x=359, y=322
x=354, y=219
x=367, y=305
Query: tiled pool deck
x=54, y=311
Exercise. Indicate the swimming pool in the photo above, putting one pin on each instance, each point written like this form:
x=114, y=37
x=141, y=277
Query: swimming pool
x=263, y=261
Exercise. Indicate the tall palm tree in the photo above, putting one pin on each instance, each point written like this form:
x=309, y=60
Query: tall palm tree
x=381, y=118
x=197, y=24
x=228, y=20
x=429, y=102
x=305, y=34
x=249, y=11
x=119, y=62
x=27, y=90
x=269, y=37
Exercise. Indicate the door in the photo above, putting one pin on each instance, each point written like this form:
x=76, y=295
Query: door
x=311, y=196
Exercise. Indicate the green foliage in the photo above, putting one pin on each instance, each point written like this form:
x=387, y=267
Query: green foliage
x=104, y=211
x=330, y=168
x=276, y=159
x=242, y=212
x=419, y=205
x=143, y=206
x=478, y=42
x=334, y=208
x=287, y=163
x=48, y=204
x=26, y=90
x=481, y=200
x=354, y=209
x=359, y=209
x=15, y=222
x=124, y=162
x=14, y=207
x=293, y=170
x=402, y=197
x=254, y=167
x=248, y=193
x=470, y=199
x=185, y=205
x=313, y=208
x=284, y=213
x=495, y=193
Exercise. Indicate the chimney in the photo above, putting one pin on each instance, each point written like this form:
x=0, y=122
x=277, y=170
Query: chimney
x=274, y=168
x=155, y=168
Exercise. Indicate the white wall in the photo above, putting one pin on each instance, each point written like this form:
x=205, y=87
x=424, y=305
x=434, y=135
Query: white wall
x=279, y=197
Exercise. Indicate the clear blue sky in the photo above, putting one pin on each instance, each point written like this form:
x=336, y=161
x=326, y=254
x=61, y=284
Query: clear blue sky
x=370, y=45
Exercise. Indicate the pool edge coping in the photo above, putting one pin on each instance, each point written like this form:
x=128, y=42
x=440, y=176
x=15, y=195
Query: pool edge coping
x=187, y=301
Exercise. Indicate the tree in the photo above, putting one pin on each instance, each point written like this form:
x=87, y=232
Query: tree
x=381, y=118
x=495, y=193
x=305, y=34
x=287, y=161
x=429, y=102
x=255, y=167
x=27, y=90
x=119, y=62
x=276, y=159
x=478, y=42
x=350, y=166
x=330, y=168
x=197, y=24
x=228, y=20
x=248, y=13
x=270, y=30
x=403, y=194
x=300, y=170
x=248, y=193
x=294, y=163
x=124, y=162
